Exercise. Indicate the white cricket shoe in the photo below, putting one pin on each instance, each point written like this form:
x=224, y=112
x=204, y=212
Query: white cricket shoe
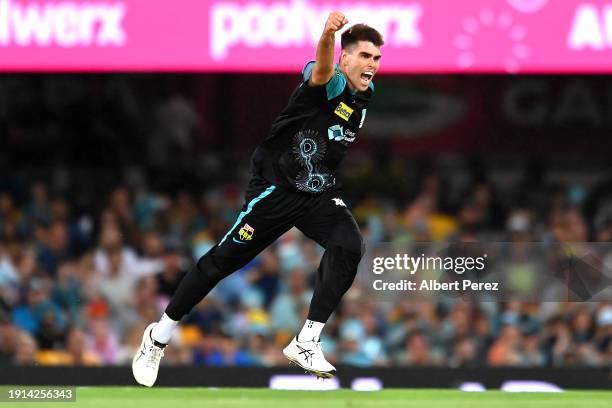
x=145, y=364
x=309, y=356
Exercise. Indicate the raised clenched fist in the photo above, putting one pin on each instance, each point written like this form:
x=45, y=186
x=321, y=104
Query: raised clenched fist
x=335, y=22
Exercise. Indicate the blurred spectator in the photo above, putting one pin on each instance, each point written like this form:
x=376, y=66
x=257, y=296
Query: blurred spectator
x=78, y=351
x=84, y=268
x=8, y=339
x=102, y=341
x=603, y=333
x=38, y=210
x=127, y=261
x=532, y=350
x=10, y=216
x=173, y=271
x=416, y=352
x=54, y=246
x=465, y=354
x=221, y=350
x=26, y=349
x=286, y=309
x=39, y=315
x=505, y=350
x=266, y=276
x=67, y=289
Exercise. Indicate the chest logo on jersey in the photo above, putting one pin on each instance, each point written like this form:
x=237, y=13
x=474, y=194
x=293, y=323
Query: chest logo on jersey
x=339, y=134
x=344, y=111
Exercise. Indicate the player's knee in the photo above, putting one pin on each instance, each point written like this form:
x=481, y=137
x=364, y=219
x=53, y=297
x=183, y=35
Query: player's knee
x=357, y=245
x=350, y=240
x=362, y=247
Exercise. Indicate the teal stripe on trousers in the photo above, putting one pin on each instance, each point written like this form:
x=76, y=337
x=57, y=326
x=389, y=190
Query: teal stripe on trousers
x=250, y=206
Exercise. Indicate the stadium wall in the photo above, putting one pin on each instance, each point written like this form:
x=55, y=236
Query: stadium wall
x=413, y=377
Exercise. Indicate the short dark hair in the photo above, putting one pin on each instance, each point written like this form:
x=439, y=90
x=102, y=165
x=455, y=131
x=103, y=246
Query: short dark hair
x=361, y=32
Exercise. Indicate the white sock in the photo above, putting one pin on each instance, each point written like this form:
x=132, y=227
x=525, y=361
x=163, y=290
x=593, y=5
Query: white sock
x=310, y=330
x=162, y=331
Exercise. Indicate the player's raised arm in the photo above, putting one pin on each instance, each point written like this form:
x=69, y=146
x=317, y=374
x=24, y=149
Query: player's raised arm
x=323, y=69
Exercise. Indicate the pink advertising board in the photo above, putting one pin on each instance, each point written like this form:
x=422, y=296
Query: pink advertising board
x=503, y=36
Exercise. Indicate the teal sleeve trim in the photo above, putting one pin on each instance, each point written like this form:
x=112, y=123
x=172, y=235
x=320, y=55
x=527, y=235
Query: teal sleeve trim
x=307, y=71
x=249, y=208
x=336, y=84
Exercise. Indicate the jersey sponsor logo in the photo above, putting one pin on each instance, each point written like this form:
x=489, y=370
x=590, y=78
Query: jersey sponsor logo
x=246, y=233
x=339, y=134
x=349, y=135
x=286, y=23
x=66, y=24
x=335, y=132
x=344, y=111
x=339, y=202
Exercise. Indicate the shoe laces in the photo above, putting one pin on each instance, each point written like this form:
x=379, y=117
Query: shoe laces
x=154, y=356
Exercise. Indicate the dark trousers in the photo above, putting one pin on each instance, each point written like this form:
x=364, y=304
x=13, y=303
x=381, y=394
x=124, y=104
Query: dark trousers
x=268, y=213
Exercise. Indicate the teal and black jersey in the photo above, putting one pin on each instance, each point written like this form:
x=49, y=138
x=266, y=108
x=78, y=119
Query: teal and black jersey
x=311, y=136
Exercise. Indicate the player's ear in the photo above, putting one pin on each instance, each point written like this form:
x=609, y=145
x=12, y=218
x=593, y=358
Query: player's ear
x=344, y=56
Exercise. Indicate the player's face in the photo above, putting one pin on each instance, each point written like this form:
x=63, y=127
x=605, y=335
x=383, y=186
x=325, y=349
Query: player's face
x=359, y=64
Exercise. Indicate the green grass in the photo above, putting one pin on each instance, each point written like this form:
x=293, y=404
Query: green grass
x=134, y=397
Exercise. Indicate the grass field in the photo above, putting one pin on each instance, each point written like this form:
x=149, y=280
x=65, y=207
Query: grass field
x=133, y=397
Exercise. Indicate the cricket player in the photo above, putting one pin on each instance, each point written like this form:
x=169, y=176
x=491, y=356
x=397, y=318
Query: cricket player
x=294, y=184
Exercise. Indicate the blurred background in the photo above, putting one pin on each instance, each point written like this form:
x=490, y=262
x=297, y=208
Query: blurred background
x=113, y=184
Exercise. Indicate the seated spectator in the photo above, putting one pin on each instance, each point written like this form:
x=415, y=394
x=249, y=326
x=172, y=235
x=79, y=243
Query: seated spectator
x=25, y=350
x=505, y=350
x=39, y=307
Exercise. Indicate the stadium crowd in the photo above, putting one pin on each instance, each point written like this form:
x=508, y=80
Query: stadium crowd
x=96, y=232
x=78, y=283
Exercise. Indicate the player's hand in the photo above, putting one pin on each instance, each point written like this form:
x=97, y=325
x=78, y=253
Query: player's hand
x=335, y=22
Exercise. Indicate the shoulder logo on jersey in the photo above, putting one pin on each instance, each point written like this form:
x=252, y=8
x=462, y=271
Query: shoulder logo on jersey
x=246, y=232
x=344, y=111
x=339, y=202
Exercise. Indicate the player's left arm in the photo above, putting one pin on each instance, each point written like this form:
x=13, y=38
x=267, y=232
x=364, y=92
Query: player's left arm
x=323, y=69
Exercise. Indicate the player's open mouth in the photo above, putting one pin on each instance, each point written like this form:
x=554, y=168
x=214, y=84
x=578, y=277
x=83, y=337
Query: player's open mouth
x=366, y=77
